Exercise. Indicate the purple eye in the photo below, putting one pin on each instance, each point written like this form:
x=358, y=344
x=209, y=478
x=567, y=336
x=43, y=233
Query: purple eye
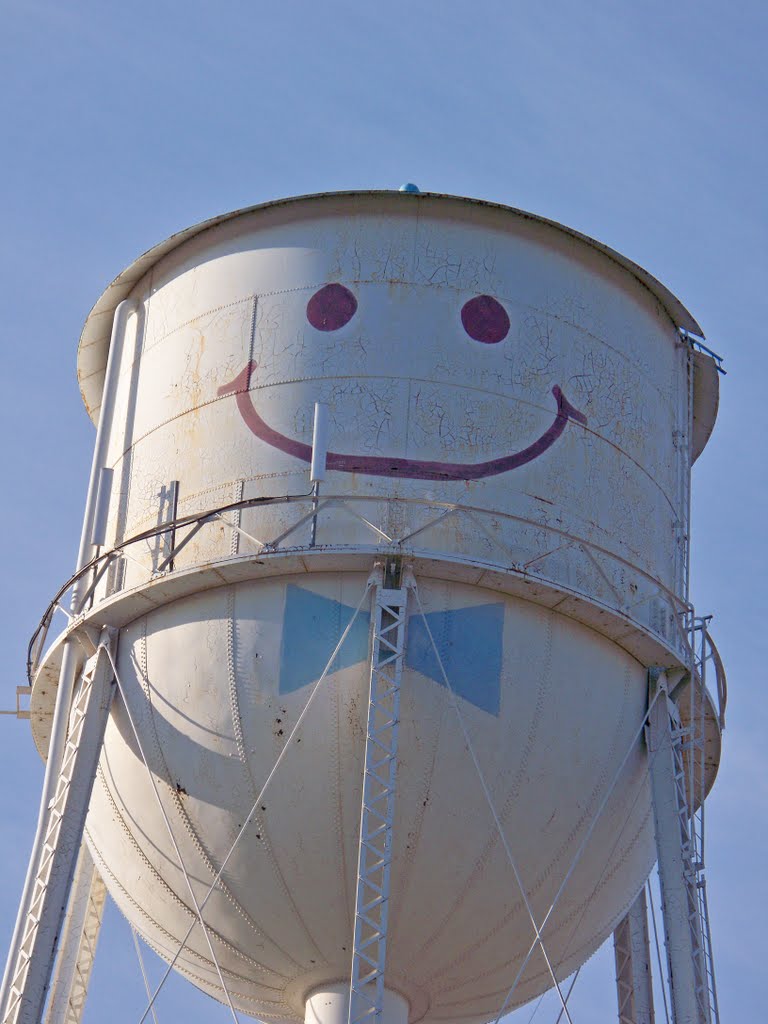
x=331, y=308
x=485, y=319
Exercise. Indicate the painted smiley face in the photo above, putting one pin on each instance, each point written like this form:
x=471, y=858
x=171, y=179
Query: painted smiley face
x=483, y=318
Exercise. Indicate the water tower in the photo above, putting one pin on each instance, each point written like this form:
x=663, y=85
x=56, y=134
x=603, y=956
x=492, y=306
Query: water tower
x=380, y=691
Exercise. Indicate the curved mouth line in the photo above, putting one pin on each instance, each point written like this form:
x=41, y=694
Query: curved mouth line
x=384, y=465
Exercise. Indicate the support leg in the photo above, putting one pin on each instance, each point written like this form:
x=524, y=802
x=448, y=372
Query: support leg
x=677, y=871
x=366, y=996
x=77, y=947
x=31, y=957
x=633, y=965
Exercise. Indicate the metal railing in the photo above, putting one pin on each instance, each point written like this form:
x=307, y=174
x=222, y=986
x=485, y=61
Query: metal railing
x=697, y=344
x=458, y=532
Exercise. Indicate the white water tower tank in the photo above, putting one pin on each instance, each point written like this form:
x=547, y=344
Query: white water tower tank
x=511, y=415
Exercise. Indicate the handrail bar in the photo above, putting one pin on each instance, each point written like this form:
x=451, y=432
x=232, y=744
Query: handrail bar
x=679, y=605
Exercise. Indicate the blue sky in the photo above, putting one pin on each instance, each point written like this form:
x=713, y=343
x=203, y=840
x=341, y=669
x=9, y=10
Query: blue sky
x=643, y=125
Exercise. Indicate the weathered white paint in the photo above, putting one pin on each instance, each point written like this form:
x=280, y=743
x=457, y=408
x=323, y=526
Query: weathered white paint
x=203, y=675
x=402, y=380
x=330, y=1005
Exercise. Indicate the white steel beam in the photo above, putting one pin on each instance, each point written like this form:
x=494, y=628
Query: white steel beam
x=31, y=957
x=689, y=990
x=77, y=947
x=632, y=951
x=366, y=991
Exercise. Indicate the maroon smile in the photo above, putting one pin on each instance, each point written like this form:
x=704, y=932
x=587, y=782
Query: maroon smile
x=383, y=465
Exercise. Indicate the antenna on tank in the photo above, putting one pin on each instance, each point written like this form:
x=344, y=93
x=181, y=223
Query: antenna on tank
x=319, y=457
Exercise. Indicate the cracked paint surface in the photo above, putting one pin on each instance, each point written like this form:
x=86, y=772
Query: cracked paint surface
x=413, y=397
x=413, y=469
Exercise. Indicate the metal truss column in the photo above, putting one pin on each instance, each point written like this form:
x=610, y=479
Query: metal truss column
x=77, y=946
x=689, y=990
x=31, y=957
x=632, y=950
x=366, y=993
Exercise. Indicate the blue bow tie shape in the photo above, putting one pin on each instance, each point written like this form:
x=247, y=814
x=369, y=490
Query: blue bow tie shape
x=469, y=641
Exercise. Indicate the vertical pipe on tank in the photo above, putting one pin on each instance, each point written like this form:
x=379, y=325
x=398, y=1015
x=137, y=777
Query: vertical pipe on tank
x=101, y=513
x=70, y=655
x=690, y=367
